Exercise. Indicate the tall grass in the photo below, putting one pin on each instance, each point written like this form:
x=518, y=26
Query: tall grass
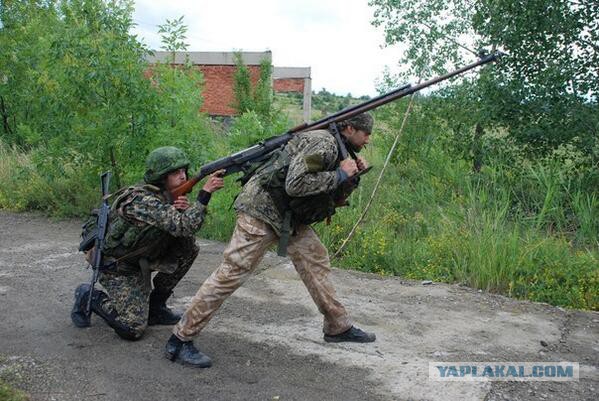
x=528, y=232
x=61, y=190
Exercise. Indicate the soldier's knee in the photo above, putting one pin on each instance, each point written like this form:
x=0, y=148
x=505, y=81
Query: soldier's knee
x=188, y=255
x=195, y=250
x=236, y=263
x=129, y=333
x=189, y=248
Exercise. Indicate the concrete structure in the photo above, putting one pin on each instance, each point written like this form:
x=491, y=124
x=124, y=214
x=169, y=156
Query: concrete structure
x=295, y=79
x=219, y=69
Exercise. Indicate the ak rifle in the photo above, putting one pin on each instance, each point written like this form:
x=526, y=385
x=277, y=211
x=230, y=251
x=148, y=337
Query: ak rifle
x=95, y=244
x=241, y=160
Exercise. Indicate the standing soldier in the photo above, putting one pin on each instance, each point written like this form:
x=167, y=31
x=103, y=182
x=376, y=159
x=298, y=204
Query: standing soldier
x=299, y=185
x=147, y=232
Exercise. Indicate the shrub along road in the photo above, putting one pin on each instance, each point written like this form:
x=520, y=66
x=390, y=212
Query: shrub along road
x=266, y=341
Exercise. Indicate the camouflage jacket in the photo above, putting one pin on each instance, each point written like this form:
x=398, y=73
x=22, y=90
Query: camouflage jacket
x=312, y=171
x=141, y=217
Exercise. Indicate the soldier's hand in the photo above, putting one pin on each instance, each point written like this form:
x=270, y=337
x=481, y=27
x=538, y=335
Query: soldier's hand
x=362, y=163
x=181, y=203
x=349, y=166
x=215, y=182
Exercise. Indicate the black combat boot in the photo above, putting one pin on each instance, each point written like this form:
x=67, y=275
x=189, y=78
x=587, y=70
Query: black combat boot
x=78, y=315
x=185, y=353
x=354, y=335
x=159, y=312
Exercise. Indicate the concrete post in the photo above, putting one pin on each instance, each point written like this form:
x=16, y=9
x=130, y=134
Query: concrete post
x=307, y=99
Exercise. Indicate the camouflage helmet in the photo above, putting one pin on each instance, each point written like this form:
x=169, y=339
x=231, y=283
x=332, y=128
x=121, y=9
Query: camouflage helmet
x=363, y=122
x=162, y=161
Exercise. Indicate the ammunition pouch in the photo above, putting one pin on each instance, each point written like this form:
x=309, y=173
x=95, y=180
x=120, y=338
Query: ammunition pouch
x=312, y=209
x=294, y=210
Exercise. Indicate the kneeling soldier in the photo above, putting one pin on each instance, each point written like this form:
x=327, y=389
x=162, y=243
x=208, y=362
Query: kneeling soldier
x=147, y=232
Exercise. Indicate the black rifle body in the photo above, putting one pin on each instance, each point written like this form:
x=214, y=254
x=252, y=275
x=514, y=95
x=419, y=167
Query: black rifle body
x=98, y=256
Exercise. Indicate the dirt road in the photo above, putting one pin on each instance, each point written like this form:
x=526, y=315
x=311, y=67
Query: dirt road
x=266, y=342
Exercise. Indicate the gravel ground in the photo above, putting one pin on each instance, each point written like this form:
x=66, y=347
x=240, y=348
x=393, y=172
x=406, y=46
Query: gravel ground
x=266, y=342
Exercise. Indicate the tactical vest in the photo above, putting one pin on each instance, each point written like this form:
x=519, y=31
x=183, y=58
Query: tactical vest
x=304, y=210
x=126, y=235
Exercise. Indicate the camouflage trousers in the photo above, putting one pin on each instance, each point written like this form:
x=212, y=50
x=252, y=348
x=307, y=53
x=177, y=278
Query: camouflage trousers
x=250, y=241
x=129, y=287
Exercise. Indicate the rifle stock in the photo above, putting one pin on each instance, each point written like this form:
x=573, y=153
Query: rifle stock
x=186, y=187
x=238, y=161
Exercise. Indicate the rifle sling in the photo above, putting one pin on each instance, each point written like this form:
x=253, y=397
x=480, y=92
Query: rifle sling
x=130, y=255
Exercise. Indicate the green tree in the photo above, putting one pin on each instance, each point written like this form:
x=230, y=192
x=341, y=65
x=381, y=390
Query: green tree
x=172, y=34
x=242, y=86
x=257, y=118
x=74, y=81
x=257, y=98
x=25, y=38
x=544, y=91
x=263, y=92
x=178, y=119
x=74, y=89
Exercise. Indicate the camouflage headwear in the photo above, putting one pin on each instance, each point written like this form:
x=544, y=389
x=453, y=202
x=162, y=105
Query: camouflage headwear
x=162, y=161
x=363, y=122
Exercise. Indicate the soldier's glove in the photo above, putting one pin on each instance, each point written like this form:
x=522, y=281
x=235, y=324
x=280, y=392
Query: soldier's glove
x=204, y=197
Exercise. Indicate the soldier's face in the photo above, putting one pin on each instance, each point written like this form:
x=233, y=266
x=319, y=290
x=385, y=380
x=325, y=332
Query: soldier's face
x=175, y=178
x=356, y=137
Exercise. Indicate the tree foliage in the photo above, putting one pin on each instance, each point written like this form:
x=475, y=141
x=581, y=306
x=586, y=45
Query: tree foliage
x=263, y=93
x=257, y=98
x=74, y=87
x=544, y=90
x=242, y=86
x=256, y=117
x=172, y=33
x=178, y=122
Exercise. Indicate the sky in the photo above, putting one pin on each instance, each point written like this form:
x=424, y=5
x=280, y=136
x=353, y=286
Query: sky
x=333, y=37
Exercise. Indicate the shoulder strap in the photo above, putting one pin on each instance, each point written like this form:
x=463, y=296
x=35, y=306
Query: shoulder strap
x=344, y=151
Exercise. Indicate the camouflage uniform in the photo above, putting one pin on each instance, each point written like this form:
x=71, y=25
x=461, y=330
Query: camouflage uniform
x=312, y=170
x=146, y=233
x=142, y=218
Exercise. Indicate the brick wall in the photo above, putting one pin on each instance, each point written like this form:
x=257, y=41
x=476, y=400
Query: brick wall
x=218, y=87
x=219, y=69
x=289, y=85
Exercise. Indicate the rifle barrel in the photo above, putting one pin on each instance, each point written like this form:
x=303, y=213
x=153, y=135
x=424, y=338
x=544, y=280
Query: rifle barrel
x=383, y=99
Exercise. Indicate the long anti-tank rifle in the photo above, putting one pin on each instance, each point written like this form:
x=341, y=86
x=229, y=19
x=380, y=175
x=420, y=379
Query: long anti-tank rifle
x=239, y=161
